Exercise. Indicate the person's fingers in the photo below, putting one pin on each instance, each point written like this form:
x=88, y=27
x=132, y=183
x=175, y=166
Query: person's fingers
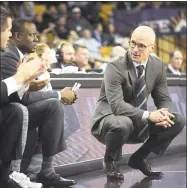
x=163, y=112
x=162, y=118
x=171, y=115
x=170, y=121
x=164, y=124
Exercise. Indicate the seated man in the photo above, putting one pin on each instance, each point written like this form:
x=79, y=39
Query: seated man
x=121, y=114
x=11, y=114
x=65, y=56
x=175, y=65
x=44, y=107
x=81, y=56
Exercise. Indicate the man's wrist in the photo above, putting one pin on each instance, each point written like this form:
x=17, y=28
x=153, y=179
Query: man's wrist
x=59, y=95
x=149, y=115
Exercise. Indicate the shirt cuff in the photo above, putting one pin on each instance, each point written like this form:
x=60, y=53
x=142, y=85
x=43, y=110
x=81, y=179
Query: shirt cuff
x=12, y=85
x=59, y=95
x=145, y=116
x=22, y=91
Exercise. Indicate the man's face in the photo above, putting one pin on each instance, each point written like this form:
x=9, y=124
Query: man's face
x=68, y=53
x=141, y=47
x=177, y=60
x=100, y=28
x=28, y=38
x=6, y=34
x=81, y=57
x=76, y=15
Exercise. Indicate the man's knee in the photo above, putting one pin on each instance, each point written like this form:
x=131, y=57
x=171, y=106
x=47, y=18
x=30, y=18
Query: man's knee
x=55, y=105
x=16, y=112
x=123, y=125
x=179, y=122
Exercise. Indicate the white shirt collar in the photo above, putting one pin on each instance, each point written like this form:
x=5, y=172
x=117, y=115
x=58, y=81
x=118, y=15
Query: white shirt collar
x=137, y=64
x=176, y=72
x=20, y=54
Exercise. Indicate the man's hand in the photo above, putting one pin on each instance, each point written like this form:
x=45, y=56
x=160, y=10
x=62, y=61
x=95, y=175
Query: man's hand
x=27, y=71
x=167, y=122
x=68, y=96
x=36, y=85
x=161, y=118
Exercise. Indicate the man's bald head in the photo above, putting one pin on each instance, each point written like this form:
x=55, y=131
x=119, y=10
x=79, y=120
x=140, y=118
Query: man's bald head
x=142, y=43
x=145, y=32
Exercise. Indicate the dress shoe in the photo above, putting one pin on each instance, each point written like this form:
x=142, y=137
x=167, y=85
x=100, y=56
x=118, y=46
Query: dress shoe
x=33, y=177
x=9, y=184
x=114, y=183
x=55, y=180
x=143, y=165
x=112, y=171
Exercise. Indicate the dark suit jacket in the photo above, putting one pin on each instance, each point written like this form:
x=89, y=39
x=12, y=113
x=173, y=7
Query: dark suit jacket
x=9, y=60
x=56, y=66
x=4, y=93
x=117, y=95
x=169, y=72
x=4, y=98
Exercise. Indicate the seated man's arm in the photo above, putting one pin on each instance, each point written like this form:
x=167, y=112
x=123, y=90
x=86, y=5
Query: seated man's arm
x=114, y=93
x=4, y=93
x=9, y=87
x=32, y=97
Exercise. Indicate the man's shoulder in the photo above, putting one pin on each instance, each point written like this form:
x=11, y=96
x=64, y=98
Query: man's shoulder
x=10, y=53
x=155, y=59
x=118, y=61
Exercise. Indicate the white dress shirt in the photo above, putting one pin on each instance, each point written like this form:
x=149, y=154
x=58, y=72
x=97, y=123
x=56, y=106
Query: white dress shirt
x=24, y=88
x=12, y=85
x=175, y=72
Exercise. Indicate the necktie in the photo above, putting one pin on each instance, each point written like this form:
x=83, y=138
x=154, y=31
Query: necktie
x=141, y=95
x=141, y=98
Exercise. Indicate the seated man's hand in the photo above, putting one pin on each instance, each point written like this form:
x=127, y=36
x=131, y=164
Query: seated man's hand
x=68, y=96
x=36, y=85
x=27, y=71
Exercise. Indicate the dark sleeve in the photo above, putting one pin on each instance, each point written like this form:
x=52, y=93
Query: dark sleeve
x=4, y=93
x=114, y=93
x=32, y=97
x=87, y=24
x=9, y=64
x=160, y=93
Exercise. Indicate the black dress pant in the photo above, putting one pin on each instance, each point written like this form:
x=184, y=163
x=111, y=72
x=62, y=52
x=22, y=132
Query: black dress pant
x=117, y=130
x=48, y=116
x=10, y=131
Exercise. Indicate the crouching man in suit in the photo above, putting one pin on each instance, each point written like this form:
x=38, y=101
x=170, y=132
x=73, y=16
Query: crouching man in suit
x=121, y=114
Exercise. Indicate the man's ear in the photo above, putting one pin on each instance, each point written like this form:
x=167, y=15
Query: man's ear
x=153, y=47
x=18, y=36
